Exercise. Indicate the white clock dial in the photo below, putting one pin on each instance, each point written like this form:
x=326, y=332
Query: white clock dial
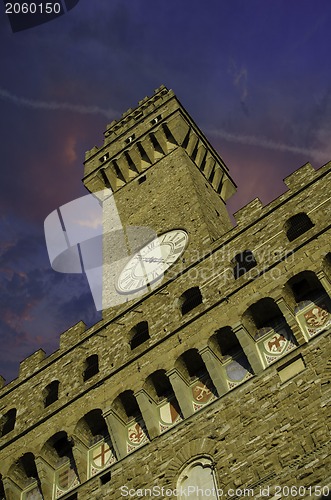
x=150, y=263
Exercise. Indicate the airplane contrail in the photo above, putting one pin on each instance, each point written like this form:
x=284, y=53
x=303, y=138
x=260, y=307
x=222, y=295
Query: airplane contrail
x=55, y=106
x=263, y=142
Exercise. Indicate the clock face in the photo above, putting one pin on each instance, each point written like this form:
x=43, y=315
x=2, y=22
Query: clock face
x=150, y=263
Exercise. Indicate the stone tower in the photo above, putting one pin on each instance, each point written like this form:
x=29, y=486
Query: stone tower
x=165, y=177
x=211, y=379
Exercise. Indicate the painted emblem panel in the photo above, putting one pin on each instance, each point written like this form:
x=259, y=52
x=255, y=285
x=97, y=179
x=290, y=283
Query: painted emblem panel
x=203, y=393
x=136, y=435
x=100, y=456
x=65, y=480
x=314, y=315
x=274, y=343
x=169, y=414
x=237, y=371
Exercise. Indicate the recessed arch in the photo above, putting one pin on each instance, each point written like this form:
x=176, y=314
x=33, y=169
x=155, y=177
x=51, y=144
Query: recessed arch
x=139, y=334
x=190, y=299
x=225, y=343
x=91, y=367
x=25, y=475
x=158, y=385
x=190, y=364
x=51, y=393
x=243, y=262
x=310, y=302
x=265, y=322
x=57, y=452
x=7, y=422
x=262, y=314
x=304, y=286
x=91, y=426
x=126, y=406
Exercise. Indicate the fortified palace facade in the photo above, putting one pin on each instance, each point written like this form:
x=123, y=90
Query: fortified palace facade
x=210, y=377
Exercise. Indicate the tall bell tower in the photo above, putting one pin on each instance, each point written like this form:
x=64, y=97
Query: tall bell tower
x=163, y=173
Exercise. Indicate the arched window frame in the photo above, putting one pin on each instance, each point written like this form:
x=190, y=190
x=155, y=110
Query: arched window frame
x=91, y=367
x=190, y=299
x=243, y=262
x=139, y=334
x=206, y=463
x=297, y=225
x=8, y=421
x=51, y=393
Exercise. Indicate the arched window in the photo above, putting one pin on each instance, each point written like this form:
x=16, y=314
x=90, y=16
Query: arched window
x=158, y=385
x=305, y=286
x=199, y=476
x=126, y=406
x=227, y=343
x=190, y=299
x=265, y=322
x=57, y=452
x=311, y=303
x=297, y=225
x=91, y=367
x=244, y=262
x=190, y=364
x=8, y=422
x=24, y=474
x=139, y=334
x=51, y=393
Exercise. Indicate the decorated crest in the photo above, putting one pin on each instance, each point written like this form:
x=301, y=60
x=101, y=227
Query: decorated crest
x=66, y=479
x=203, y=393
x=169, y=415
x=101, y=456
x=136, y=436
x=317, y=317
x=237, y=371
x=314, y=317
x=275, y=344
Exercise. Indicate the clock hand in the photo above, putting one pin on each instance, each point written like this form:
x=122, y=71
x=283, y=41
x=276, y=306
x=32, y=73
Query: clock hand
x=153, y=259
x=150, y=259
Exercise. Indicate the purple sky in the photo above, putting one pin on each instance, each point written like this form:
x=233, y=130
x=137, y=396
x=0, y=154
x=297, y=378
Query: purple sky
x=254, y=75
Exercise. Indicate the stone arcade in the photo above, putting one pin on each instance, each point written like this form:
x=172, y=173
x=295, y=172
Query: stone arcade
x=217, y=376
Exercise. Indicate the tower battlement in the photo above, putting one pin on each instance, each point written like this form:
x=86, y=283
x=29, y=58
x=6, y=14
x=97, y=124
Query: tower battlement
x=144, y=136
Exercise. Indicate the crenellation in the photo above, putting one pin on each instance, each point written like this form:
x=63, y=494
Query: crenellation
x=32, y=363
x=249, y=212
x=300, y=177
x=72, y=336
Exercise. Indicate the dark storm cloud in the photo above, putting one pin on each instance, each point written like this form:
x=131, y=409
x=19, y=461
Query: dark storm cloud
x=36, y=303
x=80, y=302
